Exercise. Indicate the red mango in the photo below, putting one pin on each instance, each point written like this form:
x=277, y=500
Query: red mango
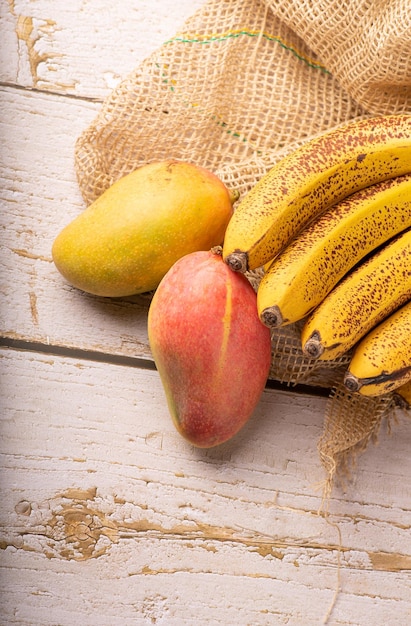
x=211, y=350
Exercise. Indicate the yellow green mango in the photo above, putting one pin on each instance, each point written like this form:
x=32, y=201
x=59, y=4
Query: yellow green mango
x=127, y=239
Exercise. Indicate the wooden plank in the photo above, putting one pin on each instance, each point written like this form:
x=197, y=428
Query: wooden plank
x=158, y=581
x=84, y=48
x=108, y=515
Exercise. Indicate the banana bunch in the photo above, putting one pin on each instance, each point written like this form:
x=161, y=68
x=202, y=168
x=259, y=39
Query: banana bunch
x=311, y=179
x=330, y=224
x=298, y=279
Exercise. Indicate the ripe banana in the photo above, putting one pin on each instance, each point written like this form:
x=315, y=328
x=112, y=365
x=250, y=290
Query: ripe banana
x=309, y=180
x=382, y=360
x=367, y=295
x=301, y=276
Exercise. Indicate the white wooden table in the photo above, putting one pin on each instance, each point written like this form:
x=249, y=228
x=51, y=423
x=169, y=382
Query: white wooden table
x=107, y=516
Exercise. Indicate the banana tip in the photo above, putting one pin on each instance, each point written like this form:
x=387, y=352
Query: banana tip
x=351, y=382
x=313, y=347
x=271, y=317
x=237, y=261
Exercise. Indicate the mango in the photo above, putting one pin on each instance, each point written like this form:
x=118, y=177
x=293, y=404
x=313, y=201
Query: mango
x=210, y=348
x=127, y=239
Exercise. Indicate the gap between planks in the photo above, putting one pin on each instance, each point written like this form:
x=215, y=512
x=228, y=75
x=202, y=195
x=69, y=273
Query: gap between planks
x=22, y=345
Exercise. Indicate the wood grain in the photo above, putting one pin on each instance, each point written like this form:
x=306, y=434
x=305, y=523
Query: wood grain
x=84, y=48
x=105, y=482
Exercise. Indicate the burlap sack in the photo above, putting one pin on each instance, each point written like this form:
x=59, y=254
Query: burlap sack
x=240, y=85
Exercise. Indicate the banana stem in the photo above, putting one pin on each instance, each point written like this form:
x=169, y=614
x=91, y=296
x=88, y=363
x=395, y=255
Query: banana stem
x=234, y=195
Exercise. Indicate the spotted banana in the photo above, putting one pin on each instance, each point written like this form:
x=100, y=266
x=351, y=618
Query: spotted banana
x=363, y=299
x=302, y=275
x=309, y=180
x=382, y=360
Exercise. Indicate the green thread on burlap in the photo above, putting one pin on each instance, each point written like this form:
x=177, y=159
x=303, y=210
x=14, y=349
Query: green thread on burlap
x=234, y=34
